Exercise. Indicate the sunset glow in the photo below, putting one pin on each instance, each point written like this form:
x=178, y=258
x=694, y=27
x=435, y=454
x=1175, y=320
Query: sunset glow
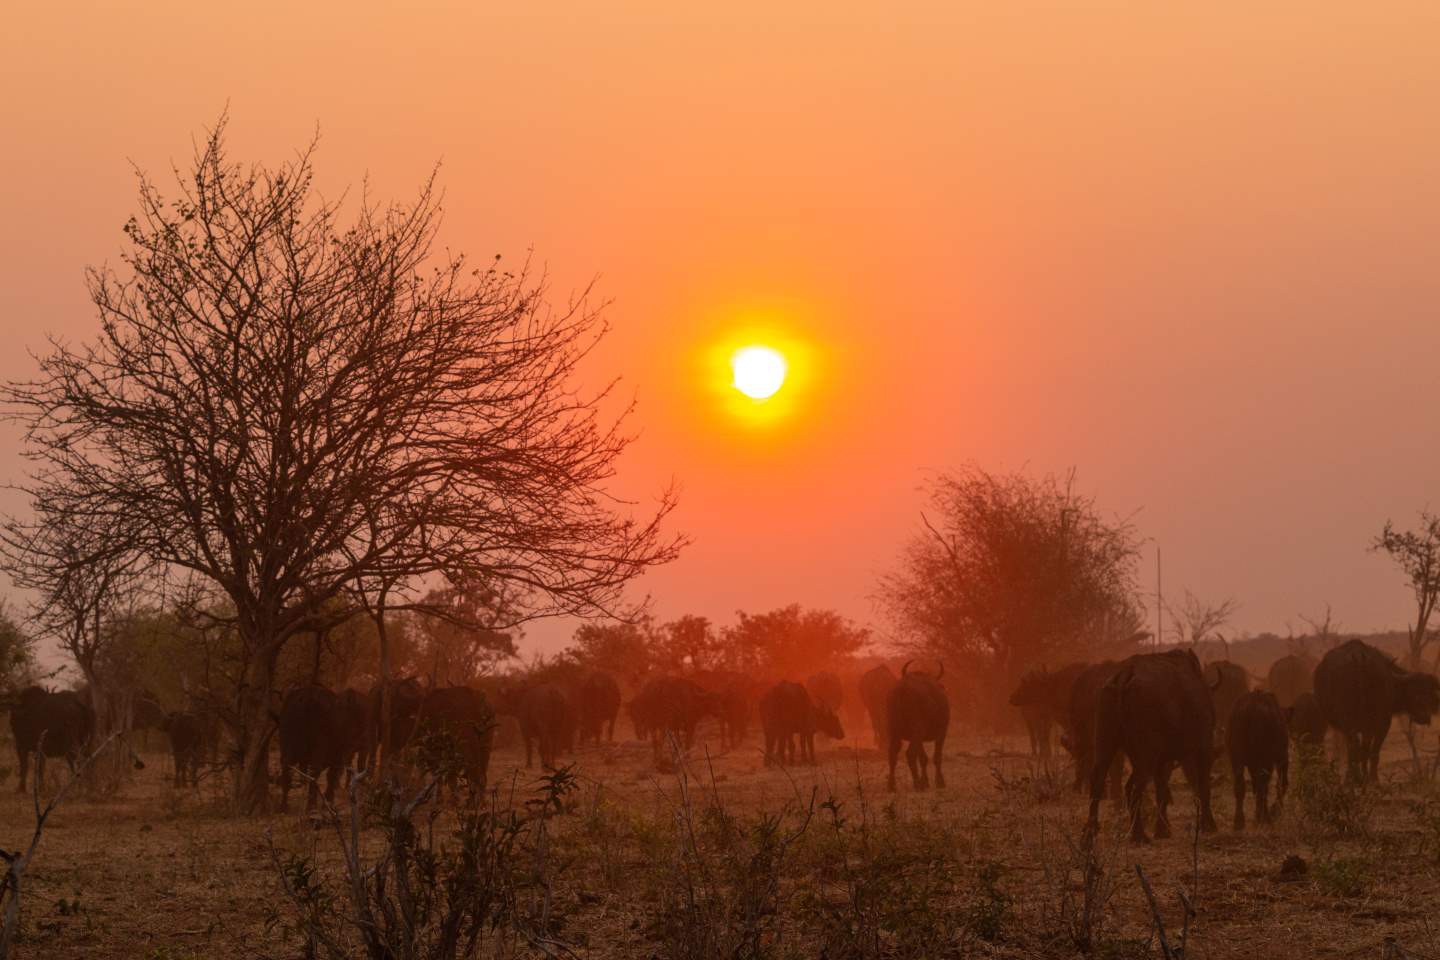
x=759, y=372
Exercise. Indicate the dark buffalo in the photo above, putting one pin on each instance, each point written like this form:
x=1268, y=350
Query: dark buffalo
x=1043, y=697
x=1307, y=724
x=406, y=695
x=673, y=706
x=187, y=746
x=1078, y=735
x=598, y=704
x=875, y=686
x=788, y=714
x=464, y=715
x=354, y=722
x=738, y=695
x=1157, y=710
x=1359, y=689
x=547, y=720
x=1290, y=677
x=49, y=724
x=1258, y=741
x=917, y=711
x=1228, y=682
x=315, y=738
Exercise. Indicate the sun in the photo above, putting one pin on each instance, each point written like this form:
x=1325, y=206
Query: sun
x=759, y=372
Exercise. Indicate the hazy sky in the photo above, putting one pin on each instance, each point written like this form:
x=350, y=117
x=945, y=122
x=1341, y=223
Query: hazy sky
x=1189, y=249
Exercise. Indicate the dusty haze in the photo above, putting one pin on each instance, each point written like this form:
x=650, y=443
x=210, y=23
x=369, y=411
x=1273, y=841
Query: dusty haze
x=1189, y=253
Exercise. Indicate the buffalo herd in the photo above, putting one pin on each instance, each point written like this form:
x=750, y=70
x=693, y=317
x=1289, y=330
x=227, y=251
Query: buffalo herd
x=1156, y=711
x=1159, y=711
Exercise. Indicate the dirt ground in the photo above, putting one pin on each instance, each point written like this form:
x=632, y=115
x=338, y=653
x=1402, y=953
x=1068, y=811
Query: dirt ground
x=162, y=874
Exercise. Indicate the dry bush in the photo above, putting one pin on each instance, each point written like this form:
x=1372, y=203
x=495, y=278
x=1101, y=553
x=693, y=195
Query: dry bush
x=1329, y=805
x=1081, y=878
x=480, y=891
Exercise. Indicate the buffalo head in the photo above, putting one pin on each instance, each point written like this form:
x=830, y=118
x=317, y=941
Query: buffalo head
x=828, y=723
x=1421, y=693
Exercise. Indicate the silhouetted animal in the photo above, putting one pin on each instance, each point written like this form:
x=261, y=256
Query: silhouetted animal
x=1291, y=676
x=824, y=687
x=1043, y=697
x=1258, y=742
x=1079, y=734
x=1307, y=724
x=1228, y=682
x=187, y=746
x=673, y=705
x=547, y=719
x=598, y=705
x=788, y=714
x=463, y=714
x=49, y=724
x=875, y=686
x=737, y=696
x=1158, y=711
x=917, y=711
x=314, y=739
x=1359, y=689
x=406, y=695
x=355, y=721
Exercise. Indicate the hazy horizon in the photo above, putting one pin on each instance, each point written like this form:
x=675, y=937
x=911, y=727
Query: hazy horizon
x=1186, y=253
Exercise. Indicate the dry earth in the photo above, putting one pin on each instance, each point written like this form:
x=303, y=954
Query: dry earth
x=162, y=874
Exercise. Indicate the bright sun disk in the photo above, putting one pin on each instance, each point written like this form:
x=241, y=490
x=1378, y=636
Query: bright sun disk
x=759, y=371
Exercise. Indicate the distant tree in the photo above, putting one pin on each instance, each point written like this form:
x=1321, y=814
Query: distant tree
x=682, y=645
x=17, y=653
x=1417, y=553
x=1010, y=572
x=1196, y=622
x=457, y=638
x=295, y=409
x=790, y=642
x=1324, y=629
x=622, y=648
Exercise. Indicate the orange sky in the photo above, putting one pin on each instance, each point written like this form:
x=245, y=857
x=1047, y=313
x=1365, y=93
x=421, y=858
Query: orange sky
x=1189, y=252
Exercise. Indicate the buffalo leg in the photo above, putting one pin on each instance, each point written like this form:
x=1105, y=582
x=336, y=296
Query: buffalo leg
x=1282, y=782
x=894, y=752
x=807, y=743
x=939, y=748
x=1354, y=758
x=332, y=776
x=1197, y=772
x=1261, y=778
x=1237, y=773
x=1162, y=801
x=312, y=788
x=1375, y=749
x=24, y=763
x=1134, y=801
x=919, y=765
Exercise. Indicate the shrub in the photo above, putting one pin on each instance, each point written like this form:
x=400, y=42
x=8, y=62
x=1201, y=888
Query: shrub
x=1342, y=876
x=423, y=898
x=1329, y=806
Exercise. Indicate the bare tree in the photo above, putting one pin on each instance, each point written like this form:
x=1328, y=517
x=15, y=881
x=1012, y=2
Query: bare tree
x=296, y=409
x=1417, y=552
x=1323, y=627
x=1196, y=621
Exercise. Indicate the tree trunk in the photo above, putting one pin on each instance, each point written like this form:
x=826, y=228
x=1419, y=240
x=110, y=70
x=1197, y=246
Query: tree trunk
x=387, y=674
x=252, y=777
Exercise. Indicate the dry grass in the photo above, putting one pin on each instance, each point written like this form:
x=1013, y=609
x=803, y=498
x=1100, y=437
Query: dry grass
x=990, y=867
